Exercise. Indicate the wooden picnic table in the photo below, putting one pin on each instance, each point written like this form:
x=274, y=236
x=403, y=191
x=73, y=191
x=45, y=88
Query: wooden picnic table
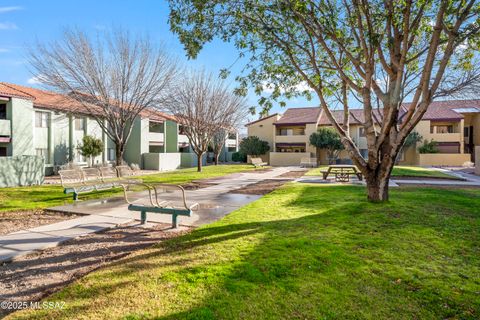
x=342, y=172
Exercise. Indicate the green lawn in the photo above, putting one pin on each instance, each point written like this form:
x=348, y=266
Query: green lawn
x=301, y=252
x=402, y=171
x=39, y=197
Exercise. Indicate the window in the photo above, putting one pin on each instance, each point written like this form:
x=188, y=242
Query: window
x=110, y=154
x=42, y=152
x=361, y=132
x=42, y=119
x=3, y=111
x=181, y=130
x=364, y=153
x=445, y=129
x=232, y=149
x=80, y=124
x=3, y=151
x=232, y=136
x=155, y=127
x=183, y=149
x=466, y=132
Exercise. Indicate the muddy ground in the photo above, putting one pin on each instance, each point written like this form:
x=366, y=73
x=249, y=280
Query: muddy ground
x=267, y=186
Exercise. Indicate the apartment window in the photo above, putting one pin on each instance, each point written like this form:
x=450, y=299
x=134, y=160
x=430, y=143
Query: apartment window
x=445, y=129
x=3, y=151
x=155, y=127
x=43, y=152
x=466, y=132
x=361, y=132
x=183, y=149
x=232, y=136
x=286, y=132
x=110, y=154
x=80, y=124
x=41, y=119
x=232, y=149
x=181, y=130
x=3, y=111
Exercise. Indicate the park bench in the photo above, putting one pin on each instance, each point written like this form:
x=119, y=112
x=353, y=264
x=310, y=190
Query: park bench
x=78, y=181
x=342, y=172
x=258, y=162
x=308, y=162
x=165, y=206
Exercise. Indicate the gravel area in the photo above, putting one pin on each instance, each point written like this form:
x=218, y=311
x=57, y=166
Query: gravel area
x=34, y=276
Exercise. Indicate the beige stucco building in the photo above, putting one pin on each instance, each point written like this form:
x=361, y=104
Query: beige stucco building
x=454, y=125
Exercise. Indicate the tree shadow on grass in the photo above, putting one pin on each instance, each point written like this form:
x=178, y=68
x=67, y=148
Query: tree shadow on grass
x=335, y=256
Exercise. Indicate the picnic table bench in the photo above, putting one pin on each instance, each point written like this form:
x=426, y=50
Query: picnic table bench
x=342, y=172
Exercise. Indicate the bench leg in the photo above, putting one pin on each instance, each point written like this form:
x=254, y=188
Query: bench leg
x=75, y=196
x=143, y=217
x=174, y=221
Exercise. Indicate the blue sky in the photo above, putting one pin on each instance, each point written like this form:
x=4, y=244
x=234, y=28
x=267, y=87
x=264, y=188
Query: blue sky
x=22, y=22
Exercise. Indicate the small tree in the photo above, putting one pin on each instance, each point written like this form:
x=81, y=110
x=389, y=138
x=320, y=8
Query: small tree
x=253, y=146
x=205, y=107
x=412, y=139
x=90, y=148
x=329, y=139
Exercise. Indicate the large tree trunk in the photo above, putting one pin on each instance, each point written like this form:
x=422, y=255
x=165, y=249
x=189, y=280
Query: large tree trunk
x=318, y=156
x=199, y=162
x=119, y=149
x=377, y=181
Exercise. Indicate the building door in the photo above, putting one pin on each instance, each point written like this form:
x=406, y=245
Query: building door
x=3, y=151
x=471, y=145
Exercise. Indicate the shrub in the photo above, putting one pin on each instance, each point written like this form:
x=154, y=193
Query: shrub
x=239, y=157
x=90, y=148
x=428, y=147
x=253, y=146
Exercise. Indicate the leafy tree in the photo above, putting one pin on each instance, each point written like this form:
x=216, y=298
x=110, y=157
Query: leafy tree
x=428, y=147
x=376, y=51
x=253, y=146
x=329, y=139
x=412, y=139
x=90, y=148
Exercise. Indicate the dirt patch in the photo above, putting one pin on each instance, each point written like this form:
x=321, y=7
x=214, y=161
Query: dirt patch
x=262, y=187
x=293, y=174
x=34, y=276
x=195, y=185
x=21, y=220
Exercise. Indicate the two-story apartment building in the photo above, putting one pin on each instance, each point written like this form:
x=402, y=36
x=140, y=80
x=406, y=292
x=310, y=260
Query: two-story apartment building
x=48, y=124
x=454, y=125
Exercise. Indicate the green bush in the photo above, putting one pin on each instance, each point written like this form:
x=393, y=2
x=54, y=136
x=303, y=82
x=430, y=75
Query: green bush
x=428, y=147
x=253, y=146
x=239, y=157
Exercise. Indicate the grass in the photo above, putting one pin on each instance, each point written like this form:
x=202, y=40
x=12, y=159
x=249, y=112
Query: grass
x=301, y=252
x=402, y=171
x=40, y=197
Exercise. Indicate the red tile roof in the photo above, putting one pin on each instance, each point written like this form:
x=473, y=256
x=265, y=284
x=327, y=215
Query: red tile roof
x=445, y=110
x=299, y=116
x=60, y=102
x=356, y=116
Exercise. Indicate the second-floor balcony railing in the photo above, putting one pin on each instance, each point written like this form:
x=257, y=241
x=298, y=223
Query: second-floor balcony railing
x=155, y=136
x=5, y=128
x=182, y=138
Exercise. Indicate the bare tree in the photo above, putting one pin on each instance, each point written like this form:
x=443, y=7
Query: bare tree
x=377, y=52
x=113, y=78
x=205, y=107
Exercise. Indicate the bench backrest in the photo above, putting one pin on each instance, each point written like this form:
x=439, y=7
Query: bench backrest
x=91, y=174
x=108, y=173
x=70, y=177
x=256, y=160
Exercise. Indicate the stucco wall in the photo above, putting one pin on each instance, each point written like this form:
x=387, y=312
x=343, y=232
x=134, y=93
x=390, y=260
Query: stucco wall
x=162, y=161
x=171, y=136
x=22, y=127
x=21, y=171
x=443, y=159
x=477, y=163
x=189, y=160
x=264, y=130
x=287, y=158
x=138, y=142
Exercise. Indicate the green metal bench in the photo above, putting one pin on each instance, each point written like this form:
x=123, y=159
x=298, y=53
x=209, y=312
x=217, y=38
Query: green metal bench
x=163, y=207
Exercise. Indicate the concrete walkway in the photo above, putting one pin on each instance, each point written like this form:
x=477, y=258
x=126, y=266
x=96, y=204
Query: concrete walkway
x=215, y=201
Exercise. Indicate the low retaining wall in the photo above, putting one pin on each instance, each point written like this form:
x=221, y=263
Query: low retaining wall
x=288, y=158
x=21, y=171
x=189, y=160
x=443, y=159
x=162, y=161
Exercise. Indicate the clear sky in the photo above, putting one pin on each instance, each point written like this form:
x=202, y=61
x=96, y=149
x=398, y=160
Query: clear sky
x=23, y=22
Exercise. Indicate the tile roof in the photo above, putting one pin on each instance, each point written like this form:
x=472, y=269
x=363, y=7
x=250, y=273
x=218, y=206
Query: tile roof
x=356, y=116
x=60, y=102
x=261, y=119
x=299, y=116
x=446, y=110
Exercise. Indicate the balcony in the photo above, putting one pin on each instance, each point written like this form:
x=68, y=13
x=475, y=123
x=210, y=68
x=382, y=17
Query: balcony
x=155, y=137
x=183, y=139
x=444, y=137
x=291, y=138
x=5, y=128
x=231, y=142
